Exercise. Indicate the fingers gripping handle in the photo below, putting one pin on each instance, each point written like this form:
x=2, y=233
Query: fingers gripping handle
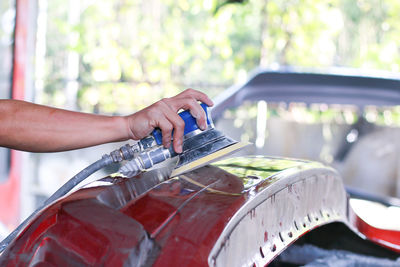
x=190, y=123
x=148, y=153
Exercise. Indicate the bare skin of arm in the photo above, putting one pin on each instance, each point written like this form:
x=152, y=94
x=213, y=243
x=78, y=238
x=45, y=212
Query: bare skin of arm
x=36, y=128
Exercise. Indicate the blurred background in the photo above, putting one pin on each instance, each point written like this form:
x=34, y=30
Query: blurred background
x=119, y=56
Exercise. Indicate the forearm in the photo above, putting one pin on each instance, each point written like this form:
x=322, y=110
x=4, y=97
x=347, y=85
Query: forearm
x=36, y=128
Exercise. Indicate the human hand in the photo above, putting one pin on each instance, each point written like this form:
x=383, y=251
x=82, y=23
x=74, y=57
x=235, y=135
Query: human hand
x=163, y=115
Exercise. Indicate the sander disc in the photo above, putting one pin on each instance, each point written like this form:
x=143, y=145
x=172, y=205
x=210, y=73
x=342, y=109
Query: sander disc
x=208, y=158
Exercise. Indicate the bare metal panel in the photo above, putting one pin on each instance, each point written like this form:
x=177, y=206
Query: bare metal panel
x=296, y=202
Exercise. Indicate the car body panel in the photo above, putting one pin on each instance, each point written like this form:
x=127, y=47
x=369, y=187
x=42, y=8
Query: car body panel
x=191, y=220
x=386, y=233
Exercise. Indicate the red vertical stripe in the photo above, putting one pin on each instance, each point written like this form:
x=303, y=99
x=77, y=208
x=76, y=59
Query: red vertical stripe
x=11, y=189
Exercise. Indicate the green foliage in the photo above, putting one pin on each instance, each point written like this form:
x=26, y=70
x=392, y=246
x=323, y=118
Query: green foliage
x=131, y=52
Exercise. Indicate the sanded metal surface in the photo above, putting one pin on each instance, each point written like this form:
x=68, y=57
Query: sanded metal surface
x=298, y=200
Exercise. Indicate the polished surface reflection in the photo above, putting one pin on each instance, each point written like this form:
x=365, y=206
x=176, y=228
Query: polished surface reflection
x=253, y=170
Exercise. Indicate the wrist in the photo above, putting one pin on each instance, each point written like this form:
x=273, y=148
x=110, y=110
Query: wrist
x=122, y=128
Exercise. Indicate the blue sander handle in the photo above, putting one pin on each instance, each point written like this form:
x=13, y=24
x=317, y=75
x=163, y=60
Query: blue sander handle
x=190, y=123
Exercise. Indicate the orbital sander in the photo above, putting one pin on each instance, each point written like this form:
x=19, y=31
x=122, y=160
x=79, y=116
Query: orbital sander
x=199, y=148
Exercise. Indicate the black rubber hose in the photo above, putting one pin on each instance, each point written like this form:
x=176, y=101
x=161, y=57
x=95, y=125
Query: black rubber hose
x=62, y=191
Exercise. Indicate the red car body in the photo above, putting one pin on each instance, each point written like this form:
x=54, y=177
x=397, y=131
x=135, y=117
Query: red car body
x=240, y=211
